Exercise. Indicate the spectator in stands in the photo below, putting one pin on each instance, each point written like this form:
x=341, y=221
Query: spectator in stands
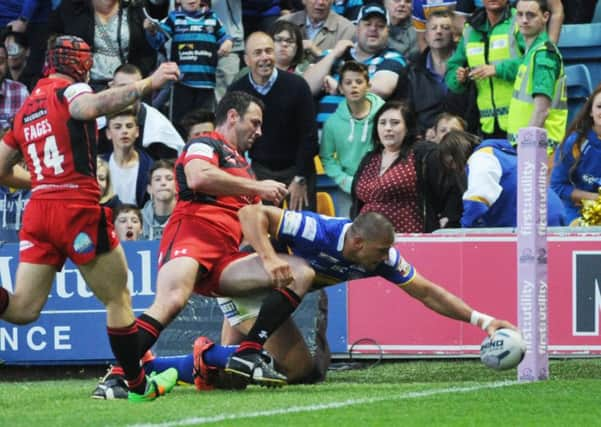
x=197, y=122
x=392, y=179
x=114, y=29
x=444, y=123
x=259, y=15
x=490, y=199
x=347, y=134
x=425, y=87
x=465, y=8
x=371, y=49
x=402, y=36
x=158, y=209
x=28, y=19
x=128, y=222
x=321, y=26
x=229, y=13
x=17, y=48
x=348, y=8
x=454, y=149
x=103, y=176
x=576, y=174
x=157, y=135
x=488, y=54
x=129, y=165
x=198, y=39
x=285, y=150
x=539, y=93
x=289, y=52
x=12, y=93
x=422, y=9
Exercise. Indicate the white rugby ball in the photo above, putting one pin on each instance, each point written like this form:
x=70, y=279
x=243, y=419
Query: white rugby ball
x=504, y=350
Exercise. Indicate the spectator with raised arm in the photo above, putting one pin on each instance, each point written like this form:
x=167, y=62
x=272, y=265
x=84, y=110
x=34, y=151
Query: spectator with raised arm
x=384, y=64
x=198, y=40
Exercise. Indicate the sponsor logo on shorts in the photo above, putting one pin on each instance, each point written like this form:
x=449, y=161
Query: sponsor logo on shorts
x=228, y=308
x=24, y=245
x=83, y=243
x=291, y=223
x=310, y=229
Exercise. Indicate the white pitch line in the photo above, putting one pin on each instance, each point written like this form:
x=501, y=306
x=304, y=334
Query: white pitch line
x=323, y=406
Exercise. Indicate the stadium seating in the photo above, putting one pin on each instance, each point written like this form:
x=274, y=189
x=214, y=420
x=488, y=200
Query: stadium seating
x=579, y=88
x=325, y=204
x=581, y=44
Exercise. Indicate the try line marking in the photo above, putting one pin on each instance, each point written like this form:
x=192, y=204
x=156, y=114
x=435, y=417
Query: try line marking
x=323, y=406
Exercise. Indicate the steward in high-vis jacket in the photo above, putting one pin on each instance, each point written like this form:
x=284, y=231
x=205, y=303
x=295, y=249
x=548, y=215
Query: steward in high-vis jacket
x=539, y=93
x=489, y=54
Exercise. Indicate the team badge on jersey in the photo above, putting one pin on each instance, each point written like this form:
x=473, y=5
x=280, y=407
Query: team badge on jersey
x=83, y=243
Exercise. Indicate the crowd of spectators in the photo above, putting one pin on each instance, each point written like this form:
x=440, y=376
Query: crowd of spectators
x=323, y=69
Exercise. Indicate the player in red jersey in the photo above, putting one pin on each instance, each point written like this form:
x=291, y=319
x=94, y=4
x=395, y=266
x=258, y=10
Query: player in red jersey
x=55, y=132
x=199, y=250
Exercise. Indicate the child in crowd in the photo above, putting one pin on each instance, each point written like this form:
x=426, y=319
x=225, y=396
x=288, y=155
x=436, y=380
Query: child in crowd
x=128, y=222
x=158, y=209
x=197, y=122
x=198, y=40
x=444, y=123
x=347, y=134
x=129, y=165
x=103, y=176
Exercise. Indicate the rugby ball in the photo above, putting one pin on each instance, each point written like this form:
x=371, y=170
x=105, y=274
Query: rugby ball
x=505, y=349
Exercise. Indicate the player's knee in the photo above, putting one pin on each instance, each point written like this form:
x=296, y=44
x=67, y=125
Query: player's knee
x=175, y=302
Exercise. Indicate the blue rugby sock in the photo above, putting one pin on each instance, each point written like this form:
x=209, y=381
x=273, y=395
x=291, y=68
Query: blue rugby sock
x=183, y=364
x=219, y=354
x=215, y=356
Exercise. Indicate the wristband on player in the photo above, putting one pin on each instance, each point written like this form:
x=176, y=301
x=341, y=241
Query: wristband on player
x=477, y=317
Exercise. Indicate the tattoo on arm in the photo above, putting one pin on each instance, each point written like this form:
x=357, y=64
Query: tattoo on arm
x=109, y=101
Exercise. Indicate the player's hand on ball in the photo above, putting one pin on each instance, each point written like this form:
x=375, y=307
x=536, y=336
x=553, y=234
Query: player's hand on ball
x=505, y=349
x=496, y=324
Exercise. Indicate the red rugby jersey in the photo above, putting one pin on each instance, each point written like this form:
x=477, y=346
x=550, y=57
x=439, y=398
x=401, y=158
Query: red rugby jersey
x=220, y=210
x=60, y=151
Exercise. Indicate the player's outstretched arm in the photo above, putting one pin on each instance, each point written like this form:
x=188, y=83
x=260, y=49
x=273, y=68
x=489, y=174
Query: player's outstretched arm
x=444, y=302
x=11, y=174
x=88, y=106
x=258, y=223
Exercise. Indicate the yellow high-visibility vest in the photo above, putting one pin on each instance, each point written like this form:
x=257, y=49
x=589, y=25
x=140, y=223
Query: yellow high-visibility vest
x=522, y=102
x=494, y=94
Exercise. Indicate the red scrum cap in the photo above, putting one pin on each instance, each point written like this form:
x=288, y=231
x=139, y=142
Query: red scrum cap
x=70, y=55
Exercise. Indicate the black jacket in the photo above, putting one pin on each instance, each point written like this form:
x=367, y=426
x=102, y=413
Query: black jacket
x=76, y=17
x=428, y=97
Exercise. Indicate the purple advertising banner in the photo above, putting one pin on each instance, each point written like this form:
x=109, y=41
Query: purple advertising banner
x=532, y=252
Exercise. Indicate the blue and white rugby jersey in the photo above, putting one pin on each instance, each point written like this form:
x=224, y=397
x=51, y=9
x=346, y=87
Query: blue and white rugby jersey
x=319, y=239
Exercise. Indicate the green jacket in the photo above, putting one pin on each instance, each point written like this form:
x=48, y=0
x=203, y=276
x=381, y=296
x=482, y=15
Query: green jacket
x=345, y=140
x=501, y=45
x=541, y=73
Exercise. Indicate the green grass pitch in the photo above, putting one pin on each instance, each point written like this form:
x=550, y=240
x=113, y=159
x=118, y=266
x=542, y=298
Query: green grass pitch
x=411, y=393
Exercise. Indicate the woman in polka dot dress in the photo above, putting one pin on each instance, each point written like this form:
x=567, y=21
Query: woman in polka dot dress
x=391, y=178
